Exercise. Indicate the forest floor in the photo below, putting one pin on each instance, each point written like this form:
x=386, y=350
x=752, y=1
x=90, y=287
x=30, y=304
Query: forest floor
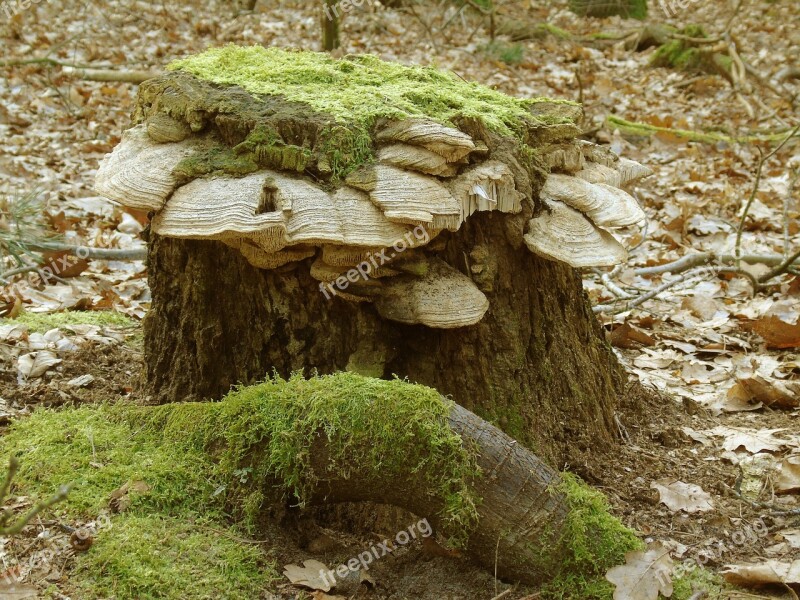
x=709, y=466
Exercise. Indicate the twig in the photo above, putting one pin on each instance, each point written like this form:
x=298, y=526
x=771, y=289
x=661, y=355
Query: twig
x=19, y=524
x=90, y=252
x=111, y=74
x=759, y=169
x=780, y=269
x=707, y=258
x=644, y=297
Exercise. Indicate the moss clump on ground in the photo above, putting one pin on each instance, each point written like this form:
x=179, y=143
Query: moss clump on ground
x=161, y=546
x=685, y=55
x=594, y=540
x=41, y=322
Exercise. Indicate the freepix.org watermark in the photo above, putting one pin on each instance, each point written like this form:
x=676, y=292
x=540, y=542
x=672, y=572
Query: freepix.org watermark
x=673, y=7
x=421, y=528
x=331, y=11
x=13, y=7
x=364, y=269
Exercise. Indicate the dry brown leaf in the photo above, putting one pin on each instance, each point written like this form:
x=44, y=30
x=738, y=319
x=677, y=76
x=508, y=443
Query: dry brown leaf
x=121, y=498
x=792, y=537
x=63, y=264
x=310, y=575
x=677, y=495
x=777, y=333
x=774, y=394
x=751, y=440
x=701, y=307
x=627, y=336
x=788, y=477
x=770, y=571
x=645, y=574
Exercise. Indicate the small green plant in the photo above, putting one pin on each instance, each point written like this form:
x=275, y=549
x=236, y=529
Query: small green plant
x=511, y=54
x=22, y=227
x=8, y=524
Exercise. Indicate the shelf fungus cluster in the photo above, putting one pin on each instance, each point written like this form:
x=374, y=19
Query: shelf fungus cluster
x=583, y=198
x=275, y=178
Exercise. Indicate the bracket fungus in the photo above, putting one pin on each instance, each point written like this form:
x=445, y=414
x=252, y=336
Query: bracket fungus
x=229, y=147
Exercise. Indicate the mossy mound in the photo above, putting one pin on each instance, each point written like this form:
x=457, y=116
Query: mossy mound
x=167, y=543
x=684, y=55
x=310, y=113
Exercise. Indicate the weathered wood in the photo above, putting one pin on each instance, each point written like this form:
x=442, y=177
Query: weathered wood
x=520, y=514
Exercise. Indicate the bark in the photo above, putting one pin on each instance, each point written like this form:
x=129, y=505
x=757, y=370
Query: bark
x=536, y=364
x=520, y=516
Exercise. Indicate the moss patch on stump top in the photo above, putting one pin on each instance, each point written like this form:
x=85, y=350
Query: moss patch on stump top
x=310, y=113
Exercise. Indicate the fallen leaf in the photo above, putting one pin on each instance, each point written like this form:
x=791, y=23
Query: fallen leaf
x=645, y=574
x=788, y=477
x=627, y=336
x=63, y=264
x=770, y=571
x=121, y=498
x=310, y=575
x=323, y=596
x=751, y=440
x=774, y=394
x=677, y=495
x=792, y=536
x=17, y=591
x=36, y=364
x=701, y=307
x=777, y=333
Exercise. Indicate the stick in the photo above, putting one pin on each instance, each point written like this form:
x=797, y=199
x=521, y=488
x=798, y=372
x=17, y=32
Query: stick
x=706, y=258
x=89, y=252
x=123, y=76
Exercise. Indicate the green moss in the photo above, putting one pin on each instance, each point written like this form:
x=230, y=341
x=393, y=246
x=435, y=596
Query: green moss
x=684, y=55
x=356, y=89
x=161, y=546
x=218, y=159
x=155, y=556
x=594, y=541
x=694, y=579
x=41, y=322
x=373, y=428
x=347, y=97
x=271, y=152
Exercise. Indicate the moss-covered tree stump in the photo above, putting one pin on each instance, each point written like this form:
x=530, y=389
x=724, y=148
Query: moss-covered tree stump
x=321, y=215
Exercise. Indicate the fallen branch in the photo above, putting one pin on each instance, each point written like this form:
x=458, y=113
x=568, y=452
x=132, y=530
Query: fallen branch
x=710, y=258
x=90, y=252
x=87, y=72
x=110, y=74
x=645, y=129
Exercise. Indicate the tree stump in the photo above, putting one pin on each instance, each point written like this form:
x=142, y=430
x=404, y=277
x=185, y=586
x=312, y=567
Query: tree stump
x=321, y=215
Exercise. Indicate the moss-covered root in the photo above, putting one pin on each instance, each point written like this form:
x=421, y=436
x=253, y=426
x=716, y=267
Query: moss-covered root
x=345, y=437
